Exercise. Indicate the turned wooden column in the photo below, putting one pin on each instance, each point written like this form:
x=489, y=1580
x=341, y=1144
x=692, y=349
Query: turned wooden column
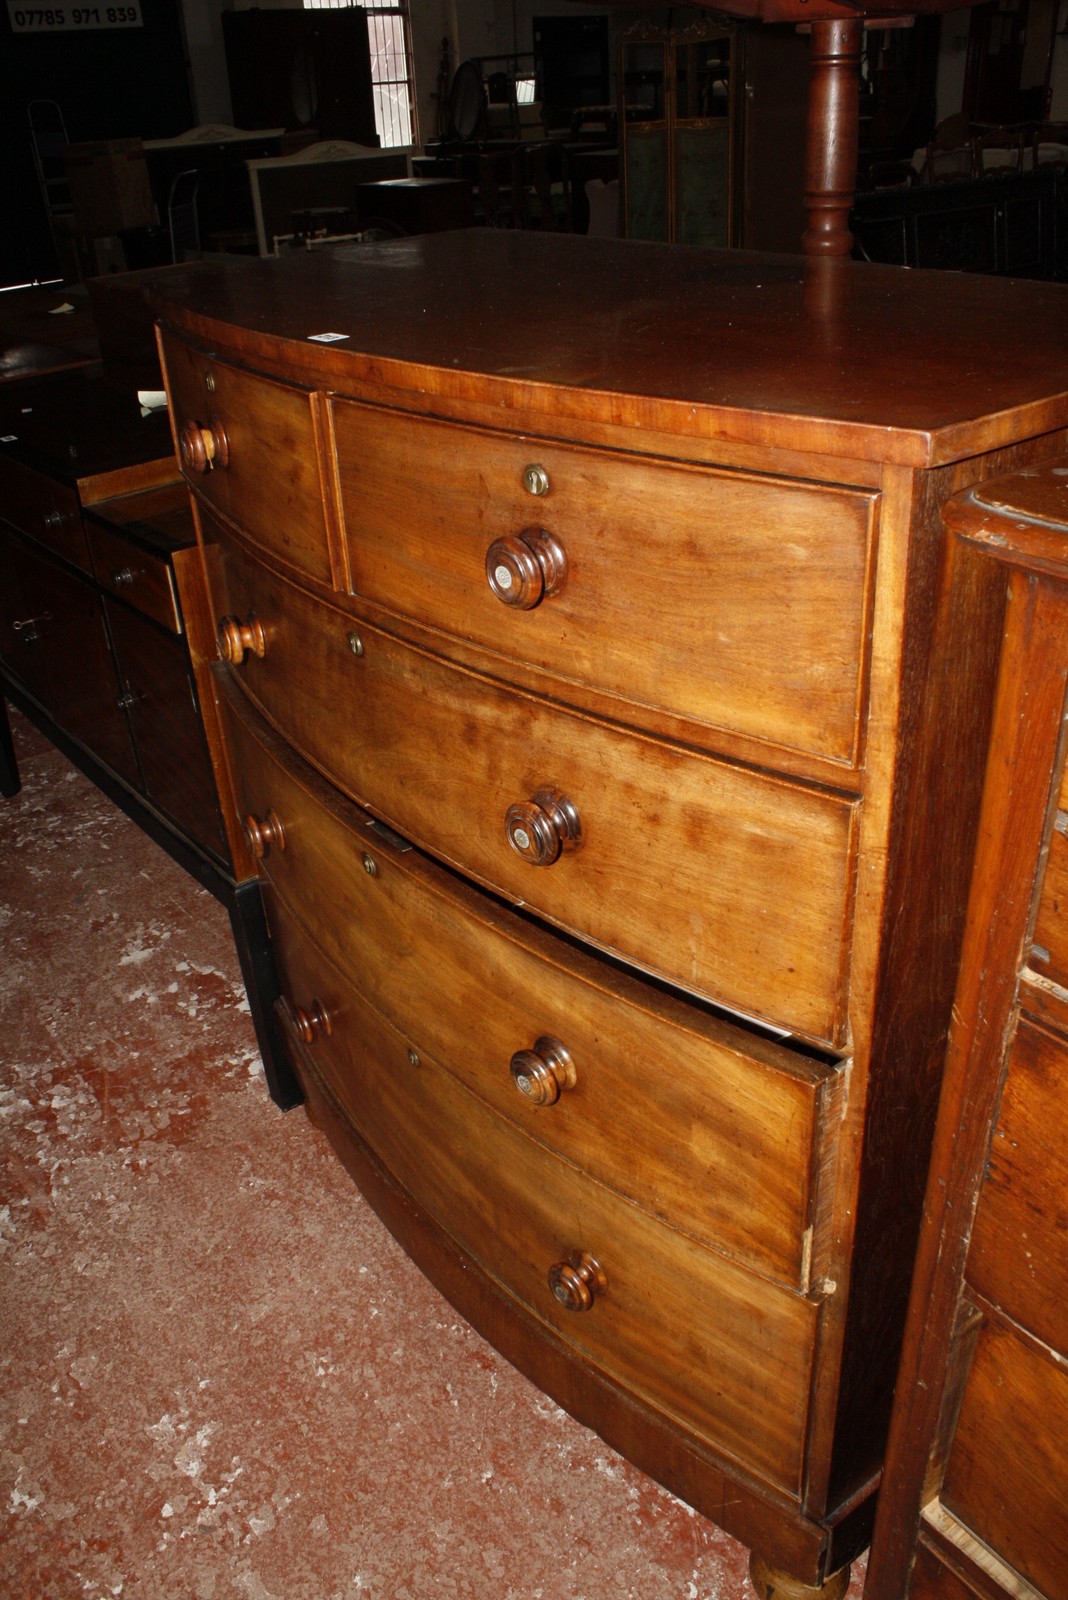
x=833, y=130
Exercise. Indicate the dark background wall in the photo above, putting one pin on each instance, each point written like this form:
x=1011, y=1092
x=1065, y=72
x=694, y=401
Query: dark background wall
x=110, y=83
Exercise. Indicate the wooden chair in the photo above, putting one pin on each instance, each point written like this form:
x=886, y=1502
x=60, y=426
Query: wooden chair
x=1049, y=145
x=950, y=152
x=999, y=150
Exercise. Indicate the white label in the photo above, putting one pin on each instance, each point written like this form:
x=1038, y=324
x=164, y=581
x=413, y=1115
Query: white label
x=328, y=338
x=522, y=838
x=66, y=16
x=503, y=577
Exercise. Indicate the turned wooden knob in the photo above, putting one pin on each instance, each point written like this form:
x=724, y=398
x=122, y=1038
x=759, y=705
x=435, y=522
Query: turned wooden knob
x=540, y=1074
x=541, y=828
x=576, y=1281
x=525, y=568
x=310, y=1021
x=237, y=639
x=203, y=448
x=260, y=836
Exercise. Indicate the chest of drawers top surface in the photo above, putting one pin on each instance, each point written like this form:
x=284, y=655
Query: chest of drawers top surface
x=866, y=362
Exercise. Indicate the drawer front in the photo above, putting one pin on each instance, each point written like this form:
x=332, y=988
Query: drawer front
x=269, y=482
x=691, y=1334
x=137, y=576
x=734, y=884
x=1008, y=1463
x=720, y=1131
x=1049, y=948
x=1018, y=1258
x=735, y=601
x=48, y=511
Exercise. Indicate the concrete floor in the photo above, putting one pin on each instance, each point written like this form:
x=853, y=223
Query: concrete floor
x=220, y=1379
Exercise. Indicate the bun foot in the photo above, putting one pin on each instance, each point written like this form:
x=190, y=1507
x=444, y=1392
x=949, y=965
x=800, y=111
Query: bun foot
x=772, y=1584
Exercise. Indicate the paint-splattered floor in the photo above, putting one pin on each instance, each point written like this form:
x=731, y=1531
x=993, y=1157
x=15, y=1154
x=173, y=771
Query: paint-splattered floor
x=220, y=1379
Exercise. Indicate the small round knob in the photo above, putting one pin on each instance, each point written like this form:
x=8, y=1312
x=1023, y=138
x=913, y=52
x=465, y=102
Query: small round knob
x=310, y=1021
x=54, y=519
x=126, y=701
x=203, y=448
x=540, y=1074
x=526, y=568
x=541, y=828
x=260, y=836
x=576, y=1281
x=121, y=577
x=535, y=479
x=237, y=638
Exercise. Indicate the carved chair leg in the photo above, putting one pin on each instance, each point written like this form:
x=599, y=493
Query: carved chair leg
x=772, y=1584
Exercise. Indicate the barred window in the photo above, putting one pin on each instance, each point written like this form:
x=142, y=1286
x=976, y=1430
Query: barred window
x=391, y=65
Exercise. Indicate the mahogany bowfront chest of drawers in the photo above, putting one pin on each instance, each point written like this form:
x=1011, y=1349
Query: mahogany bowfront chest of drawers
x=610, y=760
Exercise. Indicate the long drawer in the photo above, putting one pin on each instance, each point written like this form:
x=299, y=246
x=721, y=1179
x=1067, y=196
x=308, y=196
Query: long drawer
x=732, y=600
x=734, y=1132
x=733, y=883
x=250, y=448
x=720, y=1350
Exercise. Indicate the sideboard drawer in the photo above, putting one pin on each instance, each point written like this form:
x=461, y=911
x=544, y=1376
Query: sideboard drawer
x=693, y=1334
x=735, y=884
x=250, y=448
x=48, y=511
x=136, y=575
x=728, y=599
x=735, y=1130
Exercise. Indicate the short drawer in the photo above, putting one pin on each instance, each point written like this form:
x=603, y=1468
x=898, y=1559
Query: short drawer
x=688, y=1332
x=1006, y=1470
x=136, y=575
x=1049, y=946
x=46, y=510
x=734, y=601
x=722, y=1131
x=735, y=884
x=251, y=450
x=1018, y=1258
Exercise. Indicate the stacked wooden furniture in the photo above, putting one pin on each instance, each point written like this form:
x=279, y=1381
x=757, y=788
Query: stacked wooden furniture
x=973, y=1498
x=103, y=635
x=590, y=714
